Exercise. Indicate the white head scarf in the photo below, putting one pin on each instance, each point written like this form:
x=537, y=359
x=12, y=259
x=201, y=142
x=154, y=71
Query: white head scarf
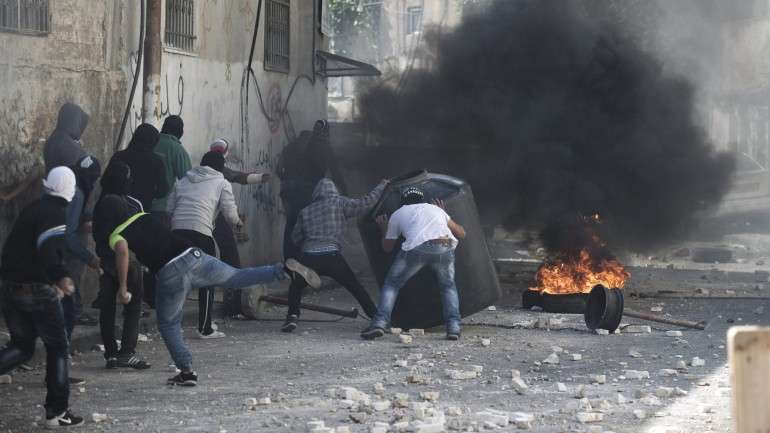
x=60, y=183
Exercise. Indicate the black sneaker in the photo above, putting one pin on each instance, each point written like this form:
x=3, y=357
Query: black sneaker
x=76, y=381
x=311, y=278
x=372, y=332
x=184, y=379
x=290, y=324
x=66, y=419
x=452, y=336
x=112, y=363
x=131, y=361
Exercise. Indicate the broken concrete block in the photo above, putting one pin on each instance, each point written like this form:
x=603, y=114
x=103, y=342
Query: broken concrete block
x=429, y=395
x=416, y=332
x=347, y=404
x=679, y=392
x=673, y=333
x=401, y=400
x=601, y=332
x=650, y=400
x=620, y=399
x=342, y=429
x=552, y=359
x=668, y=372
x=6, y=379
x=636, y=374
x=598, y=378
x=401, y=363
x=396, y=331
x=515, y=373
x=380, y=427
x=379, y=388
x=577, y=357
x=264, y=401
x=698, y=362
x=250, y=402
x=560, y=387
x=522, y=420
x=633, y=353
x=99, y=417
x=476, y=368
x=557, y=349
x=664, y=392
x=494, y=417
x=405, y=339
x=454, y=411
x=401, y=426
x=681, y=365
x=313, y=425
x=580, y=392
x=381, y=405
x=485, y=342
x=640, y=414
x=423, y=427
x=589, y=417
x=461, y=375
x=637, y=329
x=518, y=385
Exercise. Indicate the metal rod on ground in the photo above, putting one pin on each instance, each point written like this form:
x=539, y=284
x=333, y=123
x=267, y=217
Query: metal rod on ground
x=328, y=310
x=660, y=319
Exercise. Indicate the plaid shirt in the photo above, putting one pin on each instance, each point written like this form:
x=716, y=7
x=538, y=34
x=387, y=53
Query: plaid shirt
x=321, y=224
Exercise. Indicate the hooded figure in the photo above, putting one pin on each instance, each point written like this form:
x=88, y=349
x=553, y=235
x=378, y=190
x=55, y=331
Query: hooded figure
x=201, y=195
x=175, y=158
x=63, y=147
x=147, y=168
x=318, y=234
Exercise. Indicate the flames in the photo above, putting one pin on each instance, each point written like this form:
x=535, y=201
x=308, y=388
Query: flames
x=579, y=270
x=579, y=273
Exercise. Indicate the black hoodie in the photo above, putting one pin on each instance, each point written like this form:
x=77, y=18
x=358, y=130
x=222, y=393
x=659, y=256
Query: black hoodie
x=148, y=172
x=63, y=146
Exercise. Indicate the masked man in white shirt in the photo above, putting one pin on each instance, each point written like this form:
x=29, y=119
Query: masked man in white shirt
x=430, y=238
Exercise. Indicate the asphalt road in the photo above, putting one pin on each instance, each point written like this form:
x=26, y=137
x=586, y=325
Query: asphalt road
x=295, y=372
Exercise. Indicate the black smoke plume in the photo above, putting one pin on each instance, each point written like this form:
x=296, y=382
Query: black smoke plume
x=554, y=113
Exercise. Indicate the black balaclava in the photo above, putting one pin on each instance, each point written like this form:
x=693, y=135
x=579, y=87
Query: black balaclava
x=144, y=139
x=214, y=160
x=173, y=125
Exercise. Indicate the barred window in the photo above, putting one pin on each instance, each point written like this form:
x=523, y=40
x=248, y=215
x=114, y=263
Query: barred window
x=277, y=39
x=25, y=16
x=180, y=24
x=413, y=19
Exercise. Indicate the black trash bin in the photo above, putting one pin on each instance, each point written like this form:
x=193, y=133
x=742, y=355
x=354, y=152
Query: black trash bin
x=419, y=301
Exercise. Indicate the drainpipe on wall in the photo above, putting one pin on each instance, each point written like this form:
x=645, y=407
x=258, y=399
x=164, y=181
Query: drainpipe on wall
x=152, y=59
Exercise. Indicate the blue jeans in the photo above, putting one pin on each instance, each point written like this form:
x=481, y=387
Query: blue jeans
x=441, y=259
x=194, y=270
x=34, y=312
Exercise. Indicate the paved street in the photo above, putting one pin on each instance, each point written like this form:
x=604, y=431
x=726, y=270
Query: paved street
x=296, y=372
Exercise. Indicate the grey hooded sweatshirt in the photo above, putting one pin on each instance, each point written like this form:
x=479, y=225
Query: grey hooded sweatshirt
x=198, y=197
x=63, y=146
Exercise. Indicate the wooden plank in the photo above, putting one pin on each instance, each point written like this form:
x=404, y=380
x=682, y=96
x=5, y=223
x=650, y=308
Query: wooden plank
x=749, y=359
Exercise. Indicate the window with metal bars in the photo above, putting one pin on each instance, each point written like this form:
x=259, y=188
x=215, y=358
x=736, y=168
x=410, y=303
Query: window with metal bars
x=413, y=19
x=25, y=16
x=277, y=36
x=180, y=24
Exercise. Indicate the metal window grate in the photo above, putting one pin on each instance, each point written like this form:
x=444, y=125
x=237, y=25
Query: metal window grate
x=180, y=24
x=277, y=36
x=413, y=19
x=25, y=16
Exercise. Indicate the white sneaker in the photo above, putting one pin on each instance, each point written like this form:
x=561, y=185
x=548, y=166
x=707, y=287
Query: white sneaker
x=312, y=279
x=215, y=334
x=66, y=419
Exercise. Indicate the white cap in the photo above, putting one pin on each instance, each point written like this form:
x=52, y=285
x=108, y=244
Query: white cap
x=60, y=182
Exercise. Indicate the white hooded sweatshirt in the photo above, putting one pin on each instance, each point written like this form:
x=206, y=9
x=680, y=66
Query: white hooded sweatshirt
x=198, y=198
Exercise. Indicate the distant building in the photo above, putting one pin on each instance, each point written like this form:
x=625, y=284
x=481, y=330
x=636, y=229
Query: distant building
x=85, y=51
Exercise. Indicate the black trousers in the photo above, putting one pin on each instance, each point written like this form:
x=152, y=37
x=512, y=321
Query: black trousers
x=132, y=312
x=205, y=294
x=33, y=313
x=228, y=253
x=331, y=265
x=149, y=276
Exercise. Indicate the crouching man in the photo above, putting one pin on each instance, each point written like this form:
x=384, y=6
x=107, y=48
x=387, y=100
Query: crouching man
x=430, y=239
x=35, y=279
x=178, y=268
